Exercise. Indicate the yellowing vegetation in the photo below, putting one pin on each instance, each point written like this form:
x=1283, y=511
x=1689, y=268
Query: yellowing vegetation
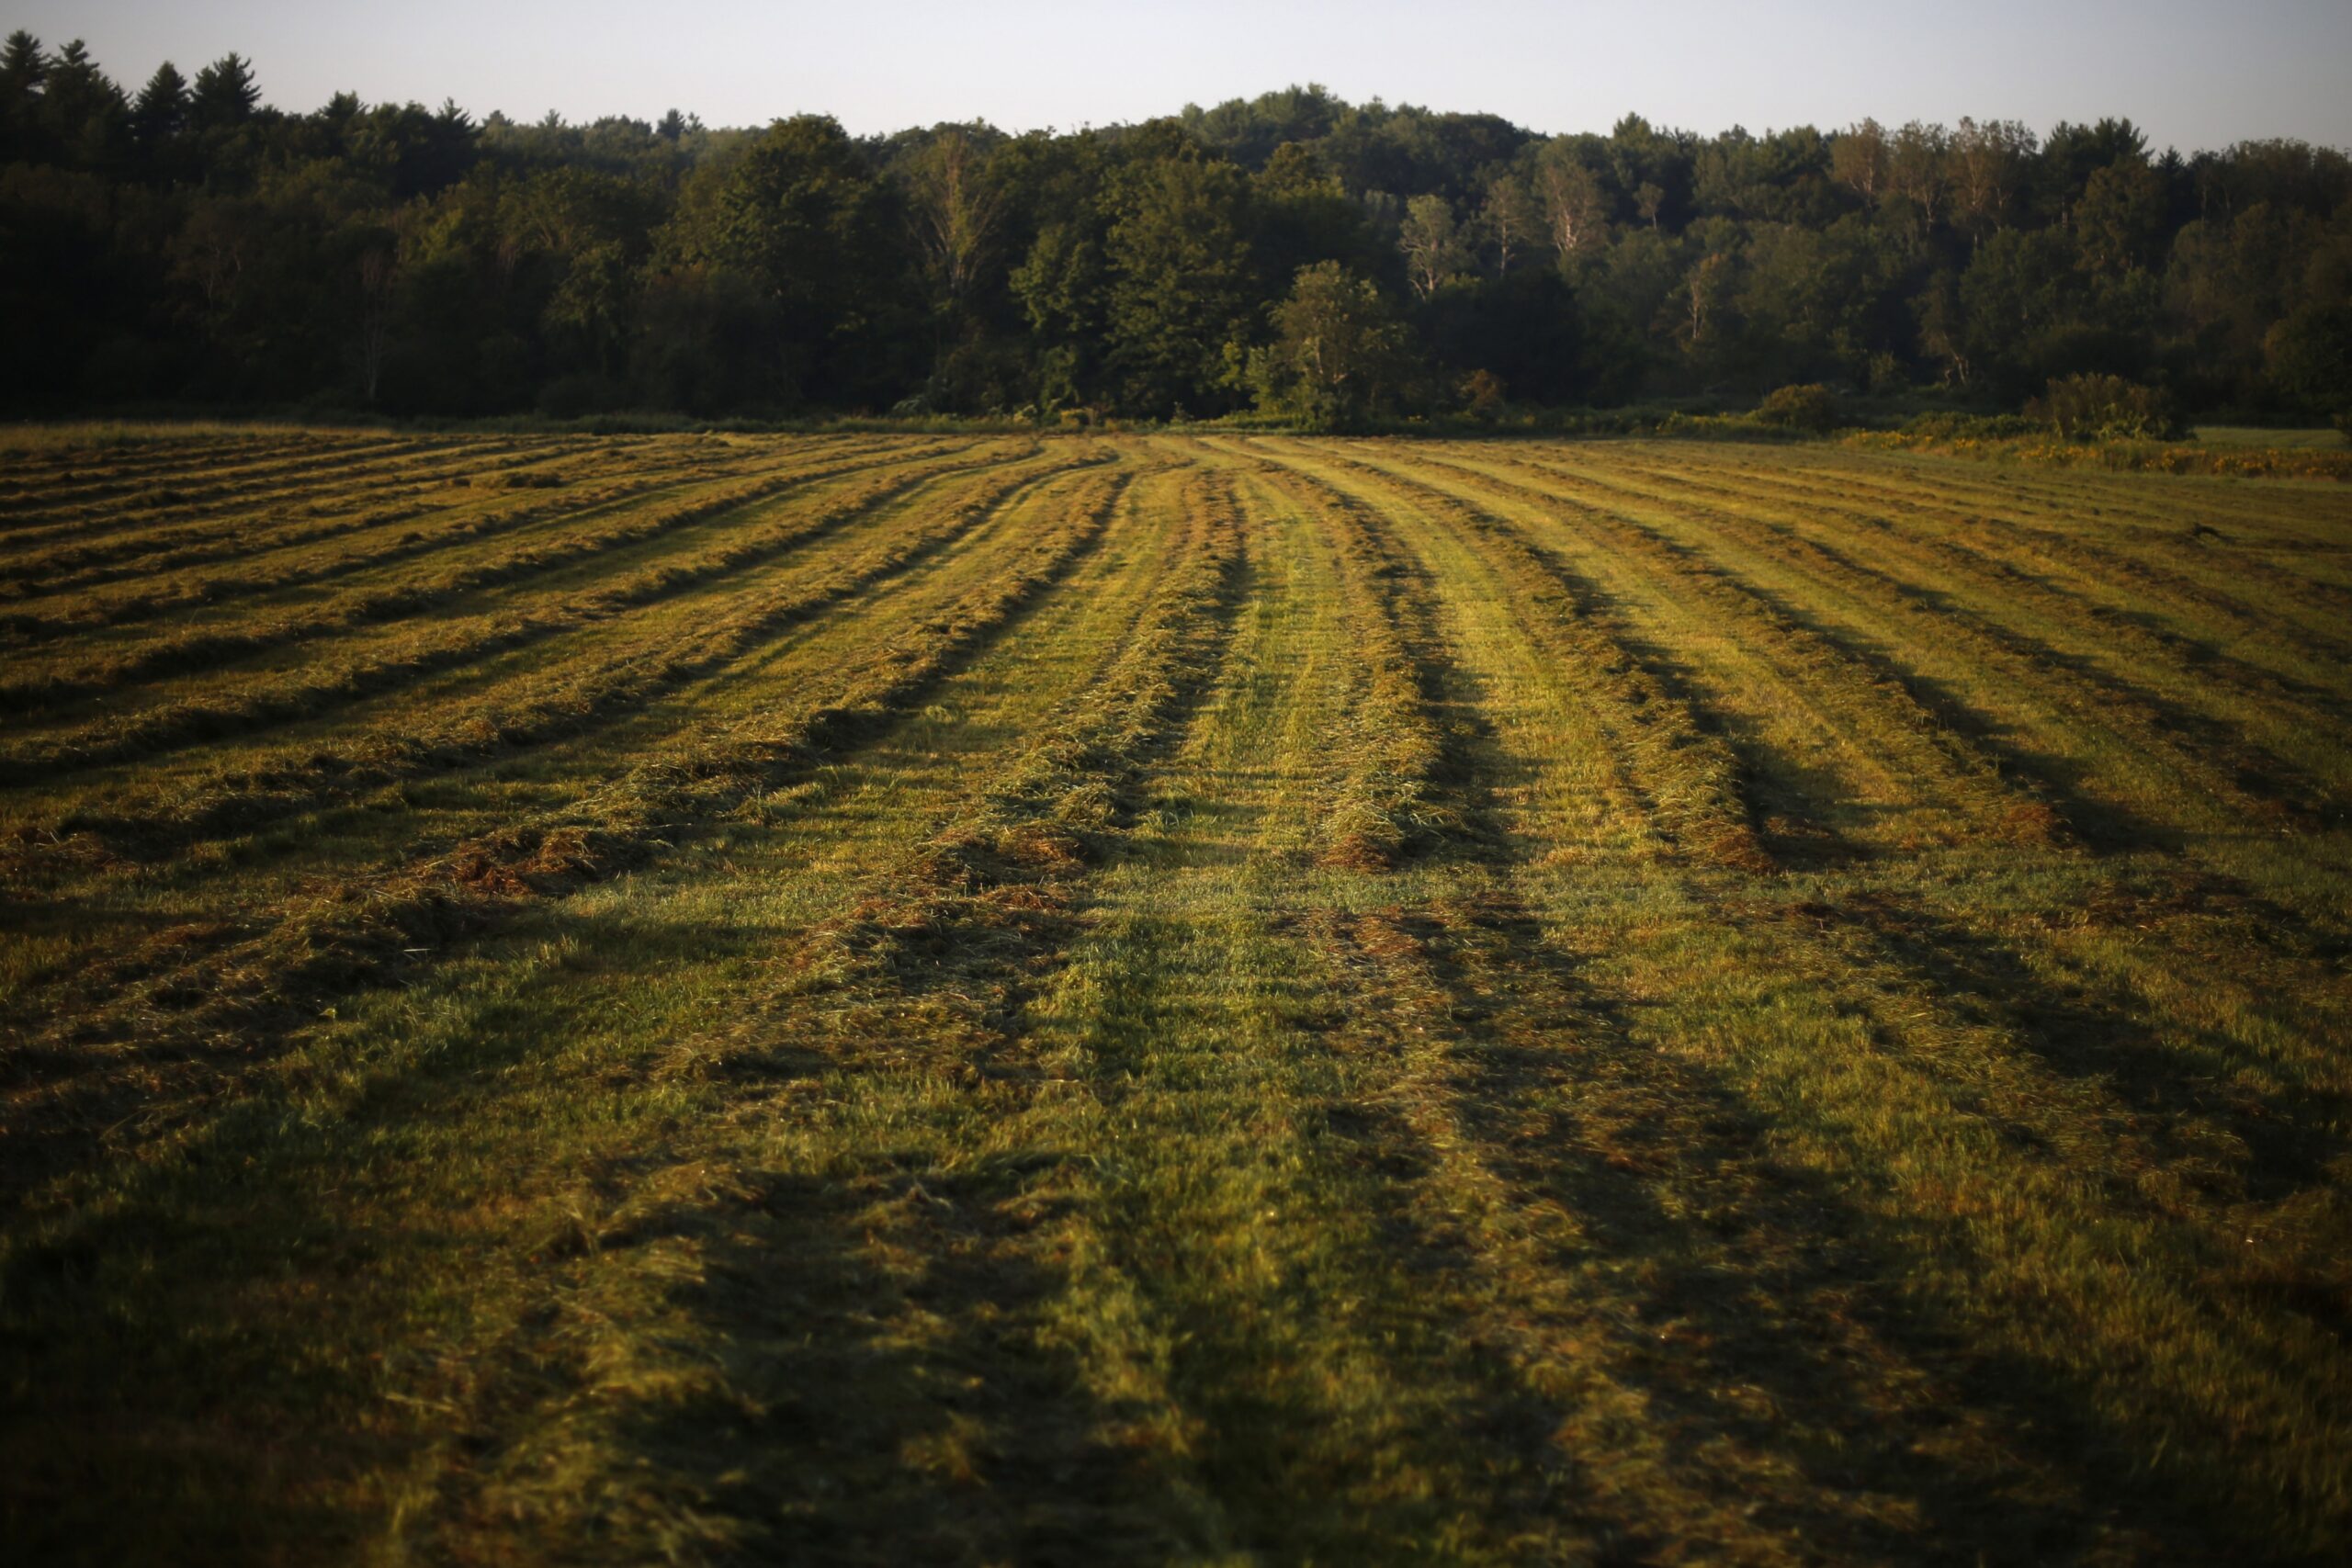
x=1179, y=997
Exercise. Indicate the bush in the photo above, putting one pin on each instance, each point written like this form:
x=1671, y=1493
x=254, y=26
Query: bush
x=2105, y=408
x=1482, y=395
x=1971, y=426
x=1807, y=407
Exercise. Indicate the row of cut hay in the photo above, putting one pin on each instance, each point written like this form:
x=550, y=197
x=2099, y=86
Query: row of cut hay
x=1687, y=780
x=453, y=575
x=39, y=456
x=167, y=1040
x=2028, y=1201
x=2126, y=456
x=618, y=675
x=2092, y=557
x=1005, y=861
x=80, y=563
x=237, y=704
x=1893, y=725
x=2094, y=622
x=1390, y=753
x=307, y=552
x=92, y=477
x=1925, y=621
x=202, y=494
x=2288, y=539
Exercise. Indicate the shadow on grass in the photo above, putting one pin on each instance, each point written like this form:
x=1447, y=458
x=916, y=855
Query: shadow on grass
x=1751, y=1307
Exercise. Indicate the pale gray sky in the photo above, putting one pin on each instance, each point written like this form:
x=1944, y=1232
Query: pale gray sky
x=2193, y=75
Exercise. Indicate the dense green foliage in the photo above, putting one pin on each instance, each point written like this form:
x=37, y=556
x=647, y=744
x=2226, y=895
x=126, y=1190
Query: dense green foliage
x=186, y=243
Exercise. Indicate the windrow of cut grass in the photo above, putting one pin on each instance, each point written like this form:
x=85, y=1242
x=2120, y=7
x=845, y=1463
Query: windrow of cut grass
x=1954, y=1108
x=199, y=642
x=192, y=1019
x=1197, y=997
x=581, y=677
x=2217, y=537
x=55, y=458
x=1051, y=724
x=383, y=651
x=1689, y=786
x=2192, y=684
x=394, y=466
x=2138, y=762
x=2281, y=539
x=275, y=561
x=347, y=513
x=1388, y=749
x=143, y=868
x=1850, y=755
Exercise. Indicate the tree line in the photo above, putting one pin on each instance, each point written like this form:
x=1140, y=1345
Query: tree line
x=185, y=243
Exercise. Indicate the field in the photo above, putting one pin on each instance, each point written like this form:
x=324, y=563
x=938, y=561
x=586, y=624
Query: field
x=961, y=998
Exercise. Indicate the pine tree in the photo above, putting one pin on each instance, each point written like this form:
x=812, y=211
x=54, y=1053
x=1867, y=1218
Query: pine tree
x=225, y=94
x=161, y=112
x=23, y=70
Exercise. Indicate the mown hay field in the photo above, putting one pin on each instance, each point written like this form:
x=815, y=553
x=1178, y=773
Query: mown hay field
x=1169, y=998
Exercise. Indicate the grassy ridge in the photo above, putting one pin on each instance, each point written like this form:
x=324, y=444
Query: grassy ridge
x=1225, y=998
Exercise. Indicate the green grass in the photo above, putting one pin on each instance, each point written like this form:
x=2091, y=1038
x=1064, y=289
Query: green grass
x=1206, y=998
x=2254, y=435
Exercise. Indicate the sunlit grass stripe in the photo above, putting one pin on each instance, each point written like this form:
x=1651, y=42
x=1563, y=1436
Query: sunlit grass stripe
x=2120, y=634
x=369, y=929
x=2158, y=505
x=2127, y=507
x=202, y=490
x=61, y=460
x=77, y=554
x=1296, y=1369
x=1112, y=657
x=94, y=482
x=618, y=676
x=198, y=649
x=456, y=534
x=1060, y=802
x=37, y=494
x=2170, y=520
x=1609, y=790
x=77, y=602
x=174, y=810
x=1688, y=780
x=1652, y=943
x=304, y=538
x=2165, y=524
x=2081, y=543
x=2271, y=735
x=1909, y=1119
x=2223, y=773
x=1870, y=704
x=1388, y=748
x=560, y=700
x=2161, y=506
x=202, y=496
x=81, y=562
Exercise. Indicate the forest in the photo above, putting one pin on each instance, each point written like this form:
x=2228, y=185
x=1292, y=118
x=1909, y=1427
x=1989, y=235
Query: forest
x=187, y=246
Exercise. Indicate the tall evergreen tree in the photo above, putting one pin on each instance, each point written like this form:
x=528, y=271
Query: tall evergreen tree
x=226, y=94
x=161, y=112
